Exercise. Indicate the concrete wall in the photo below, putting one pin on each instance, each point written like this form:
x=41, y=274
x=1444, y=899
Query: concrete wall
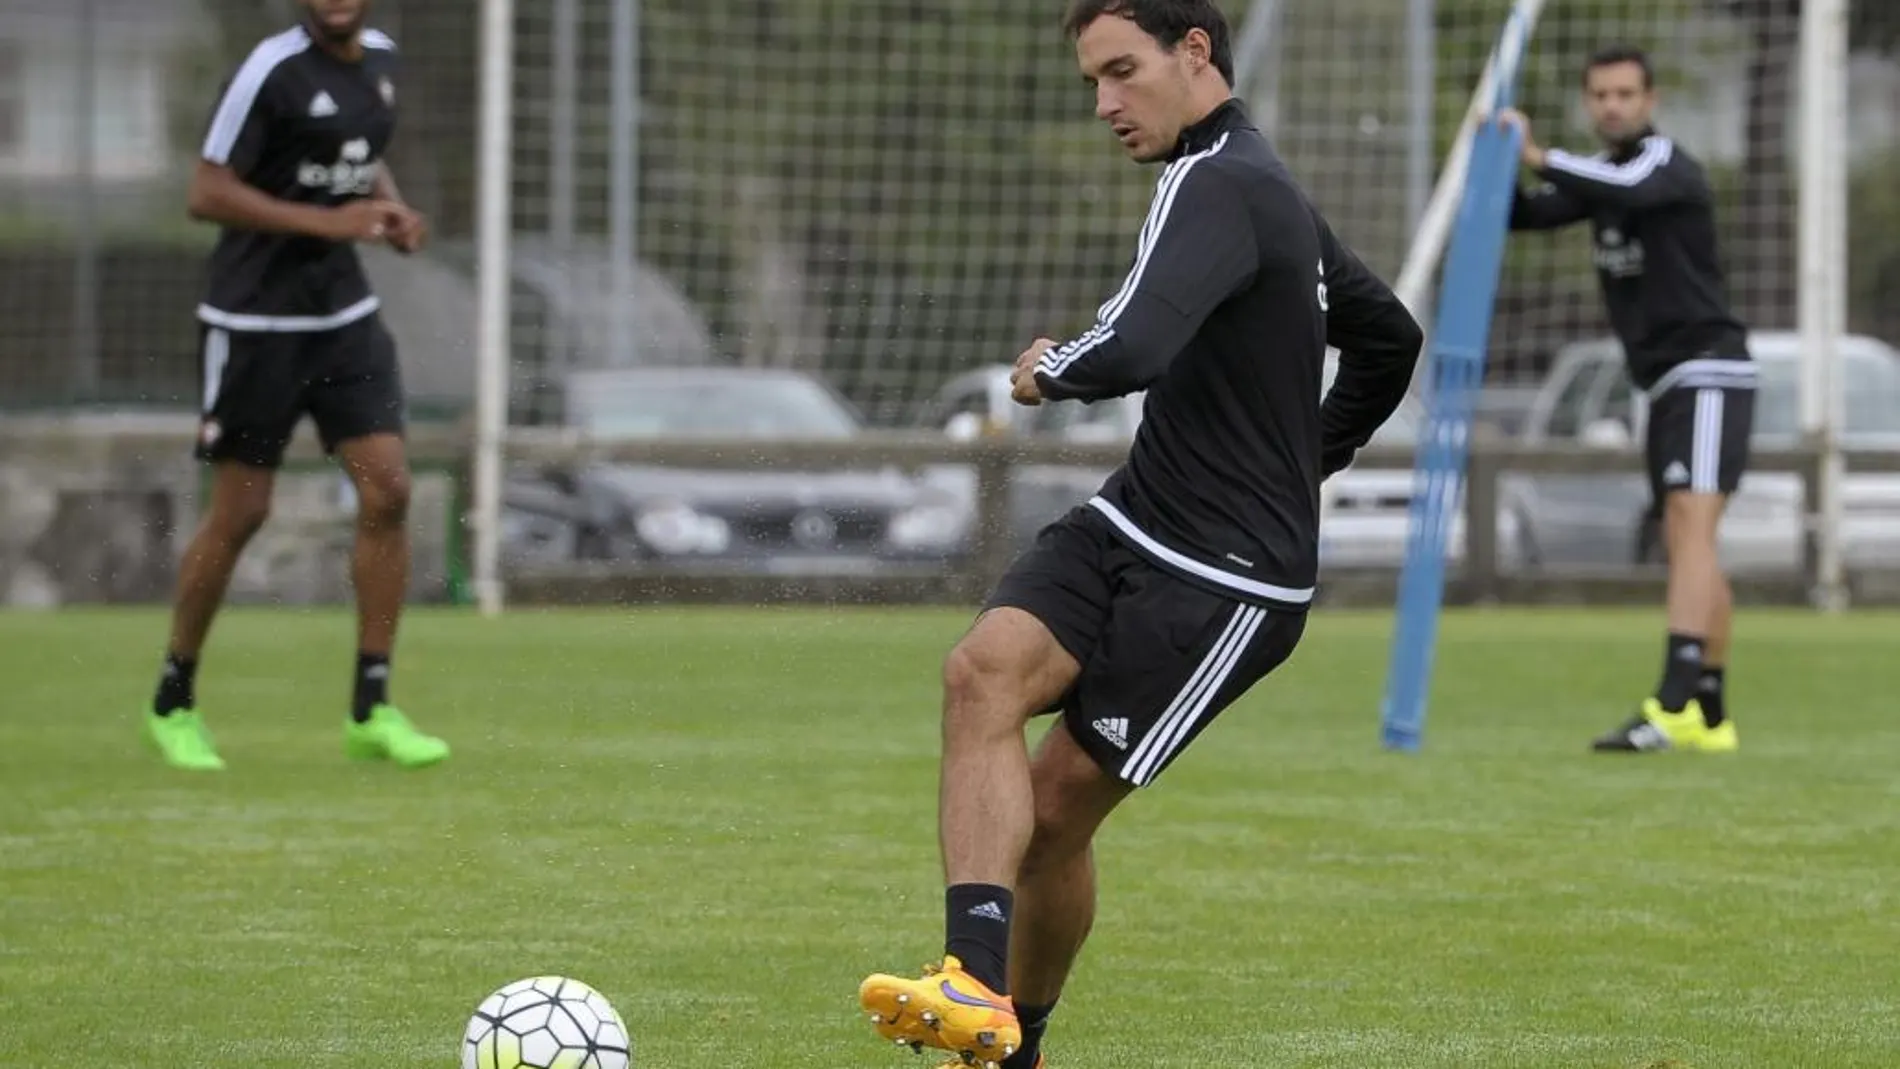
x=97, y=510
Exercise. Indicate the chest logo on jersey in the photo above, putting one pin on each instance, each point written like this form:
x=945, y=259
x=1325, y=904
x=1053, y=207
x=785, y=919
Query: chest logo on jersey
x=388, y=90
x=353, y=174
x=1618, y=255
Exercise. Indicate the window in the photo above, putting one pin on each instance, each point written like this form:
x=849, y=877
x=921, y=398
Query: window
x=1620, y=404
x=1871, y=382
x=1569, y=411
x=12, y=97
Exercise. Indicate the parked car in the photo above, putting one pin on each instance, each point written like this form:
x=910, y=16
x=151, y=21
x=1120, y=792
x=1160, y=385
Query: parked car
x=1365, y=511
x=1606, y=520
x=773, y=520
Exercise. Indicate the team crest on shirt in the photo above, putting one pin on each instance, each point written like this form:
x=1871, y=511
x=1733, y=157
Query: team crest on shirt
x=388, y=89
x=1618, y=254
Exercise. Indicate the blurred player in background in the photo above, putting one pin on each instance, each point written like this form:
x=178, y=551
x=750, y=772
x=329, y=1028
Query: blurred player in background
x=1143, y=614
x=1652, y=211
x=292, y=172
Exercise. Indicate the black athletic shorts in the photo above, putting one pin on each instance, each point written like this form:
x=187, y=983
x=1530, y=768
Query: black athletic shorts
x=257, y=385
x=1161, y=656
x=1698, y=439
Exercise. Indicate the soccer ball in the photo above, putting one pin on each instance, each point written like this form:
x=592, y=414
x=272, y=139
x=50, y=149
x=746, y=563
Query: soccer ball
x=546, y=1022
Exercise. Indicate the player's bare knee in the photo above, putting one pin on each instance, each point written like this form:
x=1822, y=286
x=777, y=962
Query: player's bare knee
x=238, y=524
x=384, y=499
x=1691, y=523
x=235, y=518
x=974, y=674
x=988, y=688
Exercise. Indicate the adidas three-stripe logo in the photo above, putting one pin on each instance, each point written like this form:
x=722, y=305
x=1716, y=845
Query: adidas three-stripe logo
x=1114, y=729
x=988, y=911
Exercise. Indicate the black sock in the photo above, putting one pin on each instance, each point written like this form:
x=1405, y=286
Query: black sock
x=176, y=684
x=976, y=930
x=1709, y=693
x=1035, y=1022
x=1682, y=671
x=372, y=684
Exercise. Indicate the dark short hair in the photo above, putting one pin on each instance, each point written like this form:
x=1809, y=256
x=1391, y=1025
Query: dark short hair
x=1167, y=21
x=1613, y=55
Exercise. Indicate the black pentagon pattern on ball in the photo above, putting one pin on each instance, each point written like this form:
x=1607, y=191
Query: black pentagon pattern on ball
x=550, y=1018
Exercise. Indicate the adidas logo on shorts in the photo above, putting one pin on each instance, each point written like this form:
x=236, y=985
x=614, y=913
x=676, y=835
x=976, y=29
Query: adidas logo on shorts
x=1114, y=729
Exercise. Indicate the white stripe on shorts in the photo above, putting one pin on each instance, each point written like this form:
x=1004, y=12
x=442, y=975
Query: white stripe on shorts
x=216, y=355
x=1705, y=456
x=1168, y=734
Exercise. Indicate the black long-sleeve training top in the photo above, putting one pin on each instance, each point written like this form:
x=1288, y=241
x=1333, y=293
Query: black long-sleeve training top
x=1237, y=289
x=1653, y=216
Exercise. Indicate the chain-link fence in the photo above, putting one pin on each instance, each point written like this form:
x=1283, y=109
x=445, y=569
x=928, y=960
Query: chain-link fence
x=876, y=196
x=884, y=192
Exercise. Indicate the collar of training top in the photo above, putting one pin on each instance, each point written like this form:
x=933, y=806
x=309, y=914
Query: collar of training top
x=1203, y=134
x=1629, y=150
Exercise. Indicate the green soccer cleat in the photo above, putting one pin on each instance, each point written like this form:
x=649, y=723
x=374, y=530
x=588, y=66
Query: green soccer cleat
x=388, y=735
x=183, y=740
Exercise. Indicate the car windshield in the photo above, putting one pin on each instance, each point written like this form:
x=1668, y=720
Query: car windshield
x=738, y=406
x=1873, y=397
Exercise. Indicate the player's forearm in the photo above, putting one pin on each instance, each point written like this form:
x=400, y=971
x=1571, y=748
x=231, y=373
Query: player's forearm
x=1106, y=370
x=1638, y=184
x=1112, y=361
x=1543, y=211
x=240, y=206
x=385, y=185
x=1374, y=373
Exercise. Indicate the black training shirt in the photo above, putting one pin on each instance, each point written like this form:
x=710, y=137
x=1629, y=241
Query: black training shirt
x=1653, y=217
x=300, y=125
x=1238, y=288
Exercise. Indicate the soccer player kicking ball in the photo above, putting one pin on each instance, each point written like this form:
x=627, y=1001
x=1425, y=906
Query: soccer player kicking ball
x=1653, y=215
x=292, y=172
x=1143, y=614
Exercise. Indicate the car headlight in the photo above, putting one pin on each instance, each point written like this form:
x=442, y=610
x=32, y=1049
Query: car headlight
x=676, y=529
x=930, y=526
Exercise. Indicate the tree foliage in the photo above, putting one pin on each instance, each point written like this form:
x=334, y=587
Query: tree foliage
x=919, y=171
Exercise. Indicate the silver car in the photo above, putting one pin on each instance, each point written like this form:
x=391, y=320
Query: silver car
x=765, y=520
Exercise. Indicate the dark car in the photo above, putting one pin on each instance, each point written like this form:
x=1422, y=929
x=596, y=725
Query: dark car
x=768, y=519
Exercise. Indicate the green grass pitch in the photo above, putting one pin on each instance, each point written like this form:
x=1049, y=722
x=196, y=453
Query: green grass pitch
x=723, y=819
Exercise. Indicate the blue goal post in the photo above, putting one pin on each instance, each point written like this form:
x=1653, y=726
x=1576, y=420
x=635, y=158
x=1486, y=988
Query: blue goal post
x=1455, y=373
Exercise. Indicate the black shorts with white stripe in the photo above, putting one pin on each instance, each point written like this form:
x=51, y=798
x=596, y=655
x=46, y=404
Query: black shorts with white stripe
x=1161, y=656
x=258, y=385
x=1698, y=436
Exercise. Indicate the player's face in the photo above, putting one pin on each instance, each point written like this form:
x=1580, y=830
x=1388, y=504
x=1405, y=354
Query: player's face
x=338, y=20
x=1620, y=105
x=1141, y=89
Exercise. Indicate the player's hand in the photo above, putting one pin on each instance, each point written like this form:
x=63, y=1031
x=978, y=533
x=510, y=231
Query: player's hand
x=363, y=220
x=1529, y=150
x=408, y=230
x=1023, y=387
